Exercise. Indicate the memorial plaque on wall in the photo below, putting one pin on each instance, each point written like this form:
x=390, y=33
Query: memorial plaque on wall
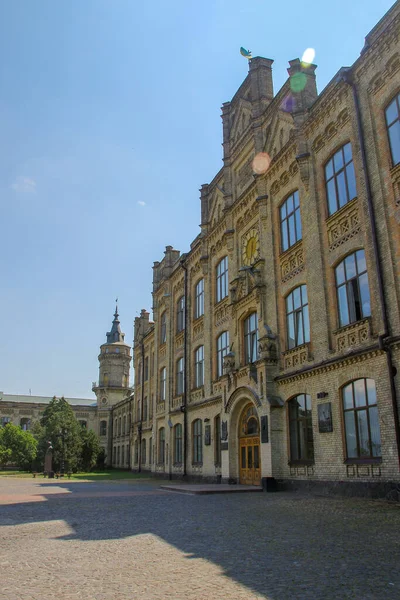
x=325, y=417
x=264, y=429
x=224, y=445
x=224, y=431
x=207, y=435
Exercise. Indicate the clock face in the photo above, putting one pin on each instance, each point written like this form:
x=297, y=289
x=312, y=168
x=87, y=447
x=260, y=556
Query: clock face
x=251, y=247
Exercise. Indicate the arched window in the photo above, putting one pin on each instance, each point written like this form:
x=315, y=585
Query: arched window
x=392, y=114
x=300, y=429
x=222, y=279
x=297, y=319
x=250, y=339
x=103, y=428
x=124, y=426
x=118, y=455
x=143, y=452
x=146, y=368
x=180, y=314
x=199, y=367
x=163, y=384
x=180, y=375
x=161, y=446
x=178, y=444
x=222, y=350
x=340, y=179
x=199, y=299
x=361, y=420
x=197, y=456
x=163, y=328
x=290, y=221
x=352, y=289
x=25, y=424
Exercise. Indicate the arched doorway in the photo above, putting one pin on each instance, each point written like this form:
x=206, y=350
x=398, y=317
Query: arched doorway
x=249, y=447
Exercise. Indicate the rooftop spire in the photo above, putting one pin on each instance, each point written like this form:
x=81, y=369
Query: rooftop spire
x=115, y=335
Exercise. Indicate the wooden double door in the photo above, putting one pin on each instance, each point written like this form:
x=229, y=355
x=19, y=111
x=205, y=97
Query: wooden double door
x=249, y=459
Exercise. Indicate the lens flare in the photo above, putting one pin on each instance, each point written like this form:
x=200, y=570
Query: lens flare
x=298, y=82
x=261, y=163
x=288, y=103
x=308, y=57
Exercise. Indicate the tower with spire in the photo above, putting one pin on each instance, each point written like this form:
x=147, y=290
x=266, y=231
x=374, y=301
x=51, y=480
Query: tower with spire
x=114, y=366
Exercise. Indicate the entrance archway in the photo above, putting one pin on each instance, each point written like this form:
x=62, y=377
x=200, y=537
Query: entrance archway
x=249, y=446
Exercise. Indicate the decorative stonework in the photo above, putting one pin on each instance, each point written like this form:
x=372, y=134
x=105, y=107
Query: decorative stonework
x=292, y=262
x=301, y=470
x=163, y=351
x=297, y=357
x=343, y=225
x=198, y=329
x=196, y=395
x=391, y=68
x=160, y=408
x=179, y=339
x=284, y=178
x=176, y=402
x=222, y=313
x=352, y=335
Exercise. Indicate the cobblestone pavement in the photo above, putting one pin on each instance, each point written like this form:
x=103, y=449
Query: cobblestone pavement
x=120, y=540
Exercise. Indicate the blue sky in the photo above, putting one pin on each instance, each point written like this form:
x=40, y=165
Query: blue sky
x=110, y=122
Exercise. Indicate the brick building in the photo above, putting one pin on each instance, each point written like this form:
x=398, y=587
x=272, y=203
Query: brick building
x=275, y=346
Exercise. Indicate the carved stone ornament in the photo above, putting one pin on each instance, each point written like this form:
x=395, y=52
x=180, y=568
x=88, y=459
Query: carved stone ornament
x=229, y=362
x=267, y=345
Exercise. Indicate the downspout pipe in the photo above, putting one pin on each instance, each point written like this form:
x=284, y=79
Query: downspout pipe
x=185, y=350
x=348, y=78
x=140, y=426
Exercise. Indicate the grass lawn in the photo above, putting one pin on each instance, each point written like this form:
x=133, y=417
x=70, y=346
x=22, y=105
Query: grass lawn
x=93, y=475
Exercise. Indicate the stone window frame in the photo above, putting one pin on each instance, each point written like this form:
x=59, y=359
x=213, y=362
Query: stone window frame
x=250, y=339
x=163, y=328
x=300, y=428
x=103, y=428
x=284, y=219
x=221, y=279
x=394, y=100
x=360, y=458
x=335, y=175
x=146, y=368
x=178, y=444
x=197, y=442
x=221, y=352
x=163, y=384
x=161, y=446
x=180, y=376
x=199, y=299
x=300, y=315
x=199, y=366
x=26, y=426
x=353, y=295
x=180, y=314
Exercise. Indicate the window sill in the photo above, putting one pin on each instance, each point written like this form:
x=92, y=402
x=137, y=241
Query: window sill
x=363, y=461
x=221, y=301
x=291, y=248
x=298, y=463
x=197, y=464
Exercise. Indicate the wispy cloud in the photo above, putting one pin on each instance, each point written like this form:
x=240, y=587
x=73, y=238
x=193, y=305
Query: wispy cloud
x=24, y=185
x=141, y=203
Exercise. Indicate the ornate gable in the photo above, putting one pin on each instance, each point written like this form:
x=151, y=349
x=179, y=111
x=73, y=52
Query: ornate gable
x=240, y=119
x=217, y=208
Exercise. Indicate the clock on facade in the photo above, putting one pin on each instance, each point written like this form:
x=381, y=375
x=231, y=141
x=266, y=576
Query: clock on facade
x=251, y=247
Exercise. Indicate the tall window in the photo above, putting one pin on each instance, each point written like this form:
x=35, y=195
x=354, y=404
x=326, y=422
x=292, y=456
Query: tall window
x=146, y=368
x=300, y=428
x=199, y=367
x=222, y=279
x=138, y=410
x=197, y=442
x=119, y=426
x=199, y=299
x=250, y=339
x=150, y=452
x=340, y=179
x=178, y=444
x=124, y=426
x=361, y=421
x=103, y=428
x=180, y=314
x=163, y=329
x=290, y=221
x=143, y=453
x=392, y=114
x=25, y=424
x=118, y=455
x=222, y=350
x=161, y=446
x=352, y=289
x=217, y=441
x=115, y=427
x=297, y=320
x=180, y=374
x=163, y=384
x=145, y=409
x=5, y=421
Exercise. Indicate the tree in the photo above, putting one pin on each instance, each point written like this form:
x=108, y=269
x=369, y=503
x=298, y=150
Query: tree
x=90, y=449
x=17, y=446
x=60, y=427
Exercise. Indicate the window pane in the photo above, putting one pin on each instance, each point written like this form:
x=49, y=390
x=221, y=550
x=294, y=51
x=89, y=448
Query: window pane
x=350, y=264
x=296, y=199
x=340, y=273
x=289, y=205
x=359, y=393
x=361, y=264
x=289, y=303
x=351, y=181
x=306, y=322
x=299, y=328
x=371, y=391
x=394, y=137
x=294, y=454
x=292, y=232
x=291, y=338
x=243, y=449
x=285, y=239
x=298, y=225
x=250, y=457
x=331, y=191
x=365, y=300
x=351, y=439
x=283, y=211
x=363, y=435
x=343, y=306
x=297, y=298
x=376, y=449
x=347, y=153
x=256, y=457
x=304, y=296
x=338, y=160
x=391, y=112
x=341, y=184
x=329, y=170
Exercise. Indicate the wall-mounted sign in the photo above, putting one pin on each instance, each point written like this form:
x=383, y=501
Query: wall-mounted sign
x=224, y=430
x=207, y=435
x=264, y=429
x=325, y=424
